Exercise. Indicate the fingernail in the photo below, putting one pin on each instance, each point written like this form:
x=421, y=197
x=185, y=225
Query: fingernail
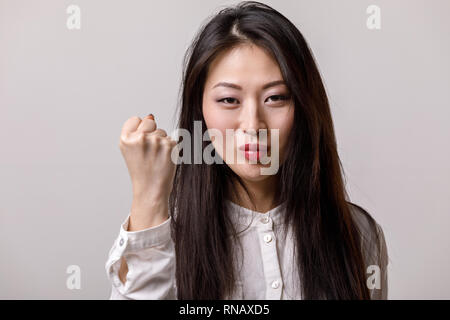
x=151, y=115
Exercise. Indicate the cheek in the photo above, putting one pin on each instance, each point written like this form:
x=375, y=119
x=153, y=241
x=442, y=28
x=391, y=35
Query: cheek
x=285, y=125
x=215, y=119
x=286, y=128
x=213, y=116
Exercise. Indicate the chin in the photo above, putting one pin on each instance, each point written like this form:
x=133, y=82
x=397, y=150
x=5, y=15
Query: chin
x=250, y=172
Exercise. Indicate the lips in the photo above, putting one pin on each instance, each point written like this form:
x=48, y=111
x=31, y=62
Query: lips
x=253, y=147
x=253, y=151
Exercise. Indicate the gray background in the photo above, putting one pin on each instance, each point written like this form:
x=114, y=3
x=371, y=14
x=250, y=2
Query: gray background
x=64, y=96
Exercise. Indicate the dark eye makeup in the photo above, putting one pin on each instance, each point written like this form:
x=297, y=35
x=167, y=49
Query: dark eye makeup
x=279, y=97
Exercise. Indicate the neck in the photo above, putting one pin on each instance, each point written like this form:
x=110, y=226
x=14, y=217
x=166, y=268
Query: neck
x=262, y=195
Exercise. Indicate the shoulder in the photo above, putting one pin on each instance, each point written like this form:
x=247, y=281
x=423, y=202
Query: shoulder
x=373, y=242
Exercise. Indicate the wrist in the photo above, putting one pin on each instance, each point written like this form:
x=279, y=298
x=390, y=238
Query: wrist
x=147, y=213
x=137, y=223
x=146, y=196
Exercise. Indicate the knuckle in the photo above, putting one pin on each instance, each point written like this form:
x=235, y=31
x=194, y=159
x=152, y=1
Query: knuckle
x=141, y=137
x=166, y=143
x=154, y=139
x=153, y=136
x=159, y=132
x=123, y=140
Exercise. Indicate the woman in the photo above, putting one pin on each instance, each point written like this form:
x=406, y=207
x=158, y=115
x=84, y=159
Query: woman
x=225, y=230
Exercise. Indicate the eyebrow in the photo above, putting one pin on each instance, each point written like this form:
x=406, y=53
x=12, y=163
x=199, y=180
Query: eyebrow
x=235, y=86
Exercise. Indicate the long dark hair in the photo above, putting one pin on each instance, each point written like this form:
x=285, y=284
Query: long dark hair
x=327, y=240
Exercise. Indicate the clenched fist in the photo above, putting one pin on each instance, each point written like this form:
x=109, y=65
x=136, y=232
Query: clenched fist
x=147, y=153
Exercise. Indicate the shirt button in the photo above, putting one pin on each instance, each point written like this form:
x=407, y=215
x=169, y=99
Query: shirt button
x=121, y=242
x=267, y=238
x=275, y=284
x=265, y=220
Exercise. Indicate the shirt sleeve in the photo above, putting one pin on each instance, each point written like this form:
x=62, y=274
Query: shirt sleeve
x=150, y=256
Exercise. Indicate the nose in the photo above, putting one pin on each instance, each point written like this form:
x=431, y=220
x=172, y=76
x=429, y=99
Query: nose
x=252, y=119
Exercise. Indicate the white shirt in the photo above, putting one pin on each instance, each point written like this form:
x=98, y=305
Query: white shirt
x=266, y=270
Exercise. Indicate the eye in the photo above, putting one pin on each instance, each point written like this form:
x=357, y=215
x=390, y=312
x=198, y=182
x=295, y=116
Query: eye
x=279, y=97
x=226, y=99
x=275, y=98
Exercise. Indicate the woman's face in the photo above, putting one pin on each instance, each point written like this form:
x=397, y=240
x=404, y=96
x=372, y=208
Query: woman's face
x=247, y=109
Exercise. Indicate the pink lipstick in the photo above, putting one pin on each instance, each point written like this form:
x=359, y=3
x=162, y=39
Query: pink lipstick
x=253, y=151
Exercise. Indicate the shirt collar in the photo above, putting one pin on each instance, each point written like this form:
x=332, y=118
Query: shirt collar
x=246, y=216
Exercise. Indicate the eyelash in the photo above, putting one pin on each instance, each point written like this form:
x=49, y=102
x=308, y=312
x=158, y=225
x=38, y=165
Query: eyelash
x=280, y=96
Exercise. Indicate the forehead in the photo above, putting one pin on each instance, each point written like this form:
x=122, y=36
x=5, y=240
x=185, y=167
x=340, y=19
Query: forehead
x=245, y=64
